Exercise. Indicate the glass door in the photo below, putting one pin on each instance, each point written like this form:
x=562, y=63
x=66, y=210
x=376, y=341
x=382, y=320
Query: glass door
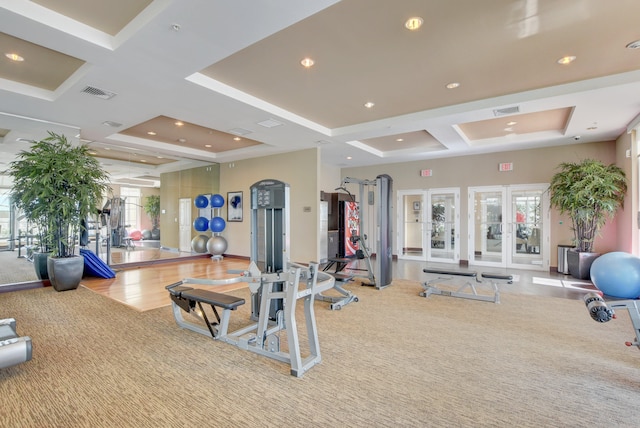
x=507, y=226
x=428, y=225
x=444, y=227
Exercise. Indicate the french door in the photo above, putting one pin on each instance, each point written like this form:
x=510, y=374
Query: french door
x=508, y=226
x=429, y=224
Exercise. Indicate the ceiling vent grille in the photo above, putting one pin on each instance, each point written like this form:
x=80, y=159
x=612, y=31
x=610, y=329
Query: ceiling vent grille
x=507, y=110
x=100, y=93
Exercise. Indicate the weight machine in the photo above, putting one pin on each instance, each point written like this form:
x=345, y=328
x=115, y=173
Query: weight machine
x=380, y=274
x=276, y=285
x=602, y=311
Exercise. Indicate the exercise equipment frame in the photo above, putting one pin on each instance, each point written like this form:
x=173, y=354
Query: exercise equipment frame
x=472, y=277
x=602, y=311
x=261, y=337
x=14, y=349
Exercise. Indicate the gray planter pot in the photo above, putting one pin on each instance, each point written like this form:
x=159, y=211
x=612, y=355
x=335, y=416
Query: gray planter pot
x=40, y=265
x=65, y=273
x=580, y=263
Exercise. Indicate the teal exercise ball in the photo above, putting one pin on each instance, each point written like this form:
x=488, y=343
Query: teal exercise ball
x=617, y=274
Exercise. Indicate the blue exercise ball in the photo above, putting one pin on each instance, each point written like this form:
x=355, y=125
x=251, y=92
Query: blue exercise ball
x=617, y=274
x=201, y=224
x=199, y=243
x=217, y=201
x=217, y=245
x=217, y=224
x=201, y=201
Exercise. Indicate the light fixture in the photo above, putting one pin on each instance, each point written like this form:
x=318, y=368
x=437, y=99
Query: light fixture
x=307, y=62
x=237, y=138
x=208, y=146
x=151, y=133
x=566, y=60
x=178, y=123
x=453, y=85
x=413, y=23
x=349, y=157
x=399, y=140
x=369, y=104
x=182, y=140
x=14, y=57
x=511, y=123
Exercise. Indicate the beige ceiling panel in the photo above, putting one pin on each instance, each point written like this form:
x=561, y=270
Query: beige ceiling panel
x=188, y=135
x=544, y=121
x=107, y=16
x=364, y=53
x=41, y=68
x=419, y=140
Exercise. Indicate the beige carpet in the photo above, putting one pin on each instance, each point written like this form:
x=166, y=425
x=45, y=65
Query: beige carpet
x=393, y=359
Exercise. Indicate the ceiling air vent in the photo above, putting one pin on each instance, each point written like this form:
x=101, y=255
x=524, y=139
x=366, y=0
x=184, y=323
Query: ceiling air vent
x=100, y=93
x=507, y=110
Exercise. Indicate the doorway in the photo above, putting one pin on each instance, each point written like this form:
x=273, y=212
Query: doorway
x=508, y=226
x=429, y=224
x=184, y=224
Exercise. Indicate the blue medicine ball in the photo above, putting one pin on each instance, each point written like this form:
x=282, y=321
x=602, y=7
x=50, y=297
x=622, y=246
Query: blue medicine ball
x=201, y=201
x=217, y=201
x=617, y=274
x=217, y=224
x=201, y=224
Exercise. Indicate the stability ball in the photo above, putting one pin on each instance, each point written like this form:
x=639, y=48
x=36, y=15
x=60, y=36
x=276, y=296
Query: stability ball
x=155, y=234
x=146, y=234
x=217, y=201
x=617, y=274
x=136, y=235
x=216, y=245
x=199, y=243
x=201, y=224
x=201, y=201
x=217, y=224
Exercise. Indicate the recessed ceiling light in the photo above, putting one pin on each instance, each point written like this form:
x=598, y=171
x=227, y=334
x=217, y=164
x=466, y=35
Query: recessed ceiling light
x=182, y=140
x=92, y=153
x=160, y=157
x=143, y=160
x=178, y=123
x=207, y=146
x=511, y=123
x=566, y=60
x=14, y=57
x=349, y=157
x=307, y=62
x=369, y=104
x=151, y=133
x=399, y=139
x=453, y=85
x=237, y=138
x=509, y=129
x=413, y=23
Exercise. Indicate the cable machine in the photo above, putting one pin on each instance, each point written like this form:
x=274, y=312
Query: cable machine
x=382, y=273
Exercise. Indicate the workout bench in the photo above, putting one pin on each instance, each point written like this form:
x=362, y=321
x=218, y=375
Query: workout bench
x=337, y=302
x=13, y=349
x=472, y=277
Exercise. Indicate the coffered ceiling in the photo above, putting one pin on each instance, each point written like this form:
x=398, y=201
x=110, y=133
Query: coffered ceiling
x=161, y=85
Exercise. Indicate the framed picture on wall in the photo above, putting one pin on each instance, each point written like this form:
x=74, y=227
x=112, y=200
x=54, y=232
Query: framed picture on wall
x=234, y=206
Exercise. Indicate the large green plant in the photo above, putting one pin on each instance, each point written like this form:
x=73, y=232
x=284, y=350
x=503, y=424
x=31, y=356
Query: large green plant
x=152, y=208
x=590, y=192
x=57, y=184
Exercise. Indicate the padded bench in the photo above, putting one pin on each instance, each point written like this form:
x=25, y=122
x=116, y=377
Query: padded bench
x=187, y=298
x=430, y=289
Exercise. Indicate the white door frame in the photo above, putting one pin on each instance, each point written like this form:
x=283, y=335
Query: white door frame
x=184, y=224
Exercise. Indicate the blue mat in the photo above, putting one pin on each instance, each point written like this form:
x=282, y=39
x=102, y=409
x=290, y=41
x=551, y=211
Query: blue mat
x=94, y=266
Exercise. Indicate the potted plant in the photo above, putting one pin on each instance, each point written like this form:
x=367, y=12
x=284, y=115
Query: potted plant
x=590, y=192
x=57, y=184
x=152, y=208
